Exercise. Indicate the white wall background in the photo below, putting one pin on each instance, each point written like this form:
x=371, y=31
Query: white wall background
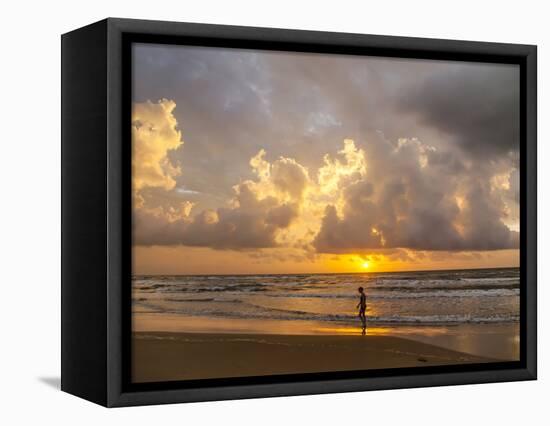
x=30, y=211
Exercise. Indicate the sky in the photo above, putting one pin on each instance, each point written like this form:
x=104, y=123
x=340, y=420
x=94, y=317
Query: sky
x=249, y=161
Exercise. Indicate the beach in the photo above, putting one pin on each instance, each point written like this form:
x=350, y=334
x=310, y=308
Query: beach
x=200, y=327
x=164, y=356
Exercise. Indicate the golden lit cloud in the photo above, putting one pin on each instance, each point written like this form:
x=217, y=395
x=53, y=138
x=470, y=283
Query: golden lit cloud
x=335, y=173
x=284, y=179
x=154, y=134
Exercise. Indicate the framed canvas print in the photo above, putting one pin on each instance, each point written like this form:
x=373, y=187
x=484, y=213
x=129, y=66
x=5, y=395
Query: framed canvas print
x=253, y=212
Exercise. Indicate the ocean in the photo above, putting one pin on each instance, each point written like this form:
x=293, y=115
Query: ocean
x=477, y=296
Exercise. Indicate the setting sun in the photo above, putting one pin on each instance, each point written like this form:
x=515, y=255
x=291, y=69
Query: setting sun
x=365, y=265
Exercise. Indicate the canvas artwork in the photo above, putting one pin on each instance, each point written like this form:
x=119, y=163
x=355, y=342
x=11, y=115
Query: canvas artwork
x=297, y=213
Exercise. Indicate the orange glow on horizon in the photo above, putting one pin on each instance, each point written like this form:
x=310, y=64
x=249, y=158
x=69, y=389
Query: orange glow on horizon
x=158, y=260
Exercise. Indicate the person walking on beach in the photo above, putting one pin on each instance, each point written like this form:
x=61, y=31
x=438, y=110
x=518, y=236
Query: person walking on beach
x=362, y=306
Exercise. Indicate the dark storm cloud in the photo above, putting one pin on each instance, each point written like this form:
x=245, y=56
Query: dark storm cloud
x=478, y=105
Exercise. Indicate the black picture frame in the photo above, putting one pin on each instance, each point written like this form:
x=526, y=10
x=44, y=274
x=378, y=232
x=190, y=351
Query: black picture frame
x=96, y=211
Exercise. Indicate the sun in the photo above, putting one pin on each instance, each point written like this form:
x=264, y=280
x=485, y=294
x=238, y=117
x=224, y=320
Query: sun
x=365, y=265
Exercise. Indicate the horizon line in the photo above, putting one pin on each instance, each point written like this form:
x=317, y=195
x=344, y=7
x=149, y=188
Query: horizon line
x=331, y=273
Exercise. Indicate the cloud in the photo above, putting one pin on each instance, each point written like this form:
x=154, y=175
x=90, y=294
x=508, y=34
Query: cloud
x=154, y=135
x=289, y=177
x=477, y=105
x=284, y=179
x=414, y=203
x=334, y=172
x=259, y=209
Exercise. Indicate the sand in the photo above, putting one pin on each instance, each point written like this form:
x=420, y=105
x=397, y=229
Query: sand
x=166, y=356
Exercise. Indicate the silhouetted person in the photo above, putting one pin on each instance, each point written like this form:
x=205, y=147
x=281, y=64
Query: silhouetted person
x=362, y=306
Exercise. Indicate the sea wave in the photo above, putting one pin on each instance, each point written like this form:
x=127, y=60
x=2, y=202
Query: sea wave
x=474, y=296
x=403, y=295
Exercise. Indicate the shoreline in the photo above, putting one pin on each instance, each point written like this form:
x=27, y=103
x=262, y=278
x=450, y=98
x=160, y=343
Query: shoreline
x=168, y=356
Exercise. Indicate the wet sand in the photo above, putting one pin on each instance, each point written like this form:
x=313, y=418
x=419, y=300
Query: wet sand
x=166, y=356
x=497, y=341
